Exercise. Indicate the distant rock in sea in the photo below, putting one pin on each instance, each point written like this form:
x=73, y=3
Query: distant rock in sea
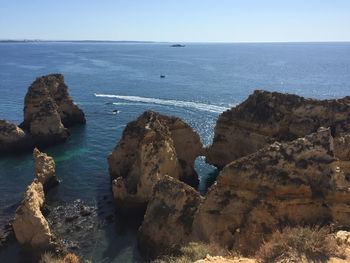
x=48, y=110
x=177, y=45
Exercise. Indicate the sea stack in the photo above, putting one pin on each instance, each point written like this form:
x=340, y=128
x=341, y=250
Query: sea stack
x=30, y=226
x=266, y=117
x=151, y=147
x=45, y=170
x=48, y=111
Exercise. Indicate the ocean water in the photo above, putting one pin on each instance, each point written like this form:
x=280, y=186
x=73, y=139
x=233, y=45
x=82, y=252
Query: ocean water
x=201, y=81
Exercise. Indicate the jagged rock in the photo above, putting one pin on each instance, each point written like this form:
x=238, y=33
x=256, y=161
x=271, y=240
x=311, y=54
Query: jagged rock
x=342, y=147
x=12, y=138
x=45, y=169
x=167, y=224
x=69, y=112
x=151, y=147
x=46, y=127
x=29, y=225
x=188, y=147
x=48, y=108
x=51, y=86
x=266, y=117
x=283, y=184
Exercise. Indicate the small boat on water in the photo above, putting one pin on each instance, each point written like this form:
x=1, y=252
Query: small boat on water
x=115, y=111
x=162, y=76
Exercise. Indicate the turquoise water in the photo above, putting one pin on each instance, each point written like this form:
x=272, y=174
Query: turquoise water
x=201, y=81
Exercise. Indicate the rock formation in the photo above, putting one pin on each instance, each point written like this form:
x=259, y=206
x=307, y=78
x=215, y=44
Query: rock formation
x=283, y=184
x=168, y=220
x=30, y=226
x=48, y=110
x=51, y=87
x=12, y=138
x=266, y=117
x=46, y=127
x=45, y=169
x=151, y=147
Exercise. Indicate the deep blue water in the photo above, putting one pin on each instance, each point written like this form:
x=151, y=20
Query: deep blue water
x=201, y=81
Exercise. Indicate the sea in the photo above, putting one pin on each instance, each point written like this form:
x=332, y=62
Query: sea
x=115, y=82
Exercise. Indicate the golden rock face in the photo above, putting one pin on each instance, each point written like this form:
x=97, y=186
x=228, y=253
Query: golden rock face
x=30, y=226
x=151, y=147
x=266, y=117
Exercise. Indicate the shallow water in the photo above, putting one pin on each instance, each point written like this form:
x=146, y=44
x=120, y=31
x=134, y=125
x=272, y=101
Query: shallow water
x=201, y=81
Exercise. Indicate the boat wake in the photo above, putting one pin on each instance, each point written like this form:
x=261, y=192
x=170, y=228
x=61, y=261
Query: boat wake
x=175, y=103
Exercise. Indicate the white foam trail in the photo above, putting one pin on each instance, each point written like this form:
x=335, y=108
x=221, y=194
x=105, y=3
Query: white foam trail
x=176, y=103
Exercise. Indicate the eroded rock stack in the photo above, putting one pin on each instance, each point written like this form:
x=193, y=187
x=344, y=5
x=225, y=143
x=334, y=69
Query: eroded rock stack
x=45, y=169
x=51, y=88
x=151, y=147
x=266, y=117
x=48, y=111
x=30, y=226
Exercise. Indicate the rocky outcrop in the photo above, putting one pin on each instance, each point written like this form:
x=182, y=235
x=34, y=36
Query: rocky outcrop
x=168, y=220
x=30, y=226
x=151, y=147
x=266, y=117
x=48, y=110
x=188, y=147
x=12, y=138
x=284, y=184
x=45, y=170
x=46, y=127
x=51, y=87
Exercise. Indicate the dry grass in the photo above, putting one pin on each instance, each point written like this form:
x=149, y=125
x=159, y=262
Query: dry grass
x=295, y=244
x=69, y=258
x=192, y=252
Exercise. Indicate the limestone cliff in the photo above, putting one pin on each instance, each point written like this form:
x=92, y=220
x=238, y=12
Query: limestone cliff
x=45, y=170
x=283, y=184
x=266, y=117
x=12, y=138
x=30, y=226
x=151, y=147
x=168, y=220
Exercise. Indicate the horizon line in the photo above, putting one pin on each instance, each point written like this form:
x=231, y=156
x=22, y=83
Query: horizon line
x=182, y=42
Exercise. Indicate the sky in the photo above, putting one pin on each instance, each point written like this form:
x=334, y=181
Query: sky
x=177, y=20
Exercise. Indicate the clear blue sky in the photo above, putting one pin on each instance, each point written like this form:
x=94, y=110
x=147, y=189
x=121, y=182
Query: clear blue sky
x=176, y=20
